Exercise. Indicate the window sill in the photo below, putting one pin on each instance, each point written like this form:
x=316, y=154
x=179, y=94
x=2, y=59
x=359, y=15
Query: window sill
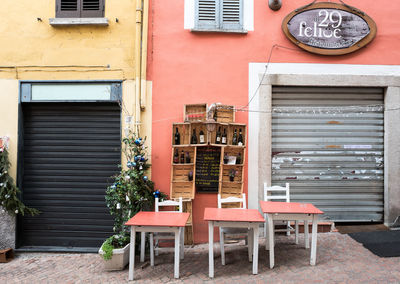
x=78, y=21
x=218, y=31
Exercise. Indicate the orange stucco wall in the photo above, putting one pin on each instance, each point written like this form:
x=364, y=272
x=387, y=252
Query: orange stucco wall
x=188, y=67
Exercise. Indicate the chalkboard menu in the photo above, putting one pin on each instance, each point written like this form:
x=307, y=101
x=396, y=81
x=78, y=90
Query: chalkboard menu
x=207, y=169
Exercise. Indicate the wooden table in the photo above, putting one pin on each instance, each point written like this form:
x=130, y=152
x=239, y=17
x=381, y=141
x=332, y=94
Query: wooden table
x=233, y=218
x=173, y=222
x=291, y=211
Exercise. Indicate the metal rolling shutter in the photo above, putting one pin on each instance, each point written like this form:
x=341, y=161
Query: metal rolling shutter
x=70, y=152
x=328, y=144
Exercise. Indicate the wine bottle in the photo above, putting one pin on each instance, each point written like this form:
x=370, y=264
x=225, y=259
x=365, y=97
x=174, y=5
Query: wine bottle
x=182, y=157
x=201, y=136
x=187, y=158
x=177, y=139
x=176, y=157
x=224, y=137
x=193, y=140
x=218, y=136
x=235, y=138
x=238, y=159
x=240, y=139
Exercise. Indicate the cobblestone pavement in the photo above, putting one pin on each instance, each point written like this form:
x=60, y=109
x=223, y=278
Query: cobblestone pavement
x=340, y=259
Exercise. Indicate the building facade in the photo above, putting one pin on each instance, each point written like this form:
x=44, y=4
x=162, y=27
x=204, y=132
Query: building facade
x=72, y=81
x=327, y=124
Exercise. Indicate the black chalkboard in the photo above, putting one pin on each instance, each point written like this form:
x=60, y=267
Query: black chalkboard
x=207, y=169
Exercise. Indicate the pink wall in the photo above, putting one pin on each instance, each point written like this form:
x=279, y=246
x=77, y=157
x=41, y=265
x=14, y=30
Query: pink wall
x=188, y=67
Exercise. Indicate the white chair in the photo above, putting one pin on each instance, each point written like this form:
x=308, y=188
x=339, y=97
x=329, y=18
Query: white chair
x=157, y=237
x=232, y=233
x=279, y=193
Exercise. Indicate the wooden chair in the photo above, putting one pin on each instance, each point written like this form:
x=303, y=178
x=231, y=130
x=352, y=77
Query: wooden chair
x=279, y=193
x=155, y=238
x=232, y=233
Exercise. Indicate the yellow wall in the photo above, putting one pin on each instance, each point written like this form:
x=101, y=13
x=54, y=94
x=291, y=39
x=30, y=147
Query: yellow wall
x=35, y=50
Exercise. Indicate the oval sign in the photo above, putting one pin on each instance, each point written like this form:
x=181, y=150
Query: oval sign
x=329, y=28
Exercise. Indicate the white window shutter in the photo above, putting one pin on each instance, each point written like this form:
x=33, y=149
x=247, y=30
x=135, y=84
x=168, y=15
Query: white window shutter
x=207, y=14
x=231, y=14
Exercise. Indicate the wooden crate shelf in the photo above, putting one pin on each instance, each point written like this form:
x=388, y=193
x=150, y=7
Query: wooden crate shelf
x=225, y=113
x=180, y=172
x=189, y=235
x=230, y=188
x=195, y=112
x=184, y=133
x=188, y=207
x=184, y=189
x=197, y=127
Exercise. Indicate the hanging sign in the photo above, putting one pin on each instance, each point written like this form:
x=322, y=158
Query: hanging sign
x=329, y=28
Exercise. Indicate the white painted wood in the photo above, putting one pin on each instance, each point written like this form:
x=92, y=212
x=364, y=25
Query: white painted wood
x=177, y=256
x=271, y=241
x=210, y=249
x=306, y=235
x=142, y=245
x=155, y=229
x=78, y=21
x=221, y=243
x=313, y=257
x=132, y=254
x=255, y=249
x=151, y=249
x=297, y=232
x=250, y=244
x=182, y=242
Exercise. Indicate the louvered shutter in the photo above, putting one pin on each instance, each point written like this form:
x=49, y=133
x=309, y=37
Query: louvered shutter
x=92, y=8
x=68, y=8
x=207, y=14
x=231, y=14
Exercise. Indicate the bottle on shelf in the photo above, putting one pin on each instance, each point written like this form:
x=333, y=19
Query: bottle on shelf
x=235, y=138
x=187, y=158
x=218, y=136
x=226, y=158
x=177, y=138
x=240, y=139
x=193, y=139
x=224, y=140
x=201, y=137
x=176, y=157
x=238, y=159
x=182, y=160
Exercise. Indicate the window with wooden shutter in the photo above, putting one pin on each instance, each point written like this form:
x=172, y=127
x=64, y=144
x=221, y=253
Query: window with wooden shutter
x=79, y=8
x=224, y=15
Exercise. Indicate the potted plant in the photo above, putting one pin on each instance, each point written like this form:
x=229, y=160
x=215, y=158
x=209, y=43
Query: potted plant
x=232, y=174
x=190, y=176
x=131, y=192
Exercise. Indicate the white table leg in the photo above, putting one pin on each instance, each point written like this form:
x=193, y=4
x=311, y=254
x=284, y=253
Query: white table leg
x=182, y=249
x=151, y=249
x=221, y=244
x=255, y=249
x=250, y=241
x=142, y=245
x=271, y=241
x=265, y=227
x=177, y=246
x=314, y=240
x=306, y=235
x=132, y=254
x=296, y=231
x=210, y=249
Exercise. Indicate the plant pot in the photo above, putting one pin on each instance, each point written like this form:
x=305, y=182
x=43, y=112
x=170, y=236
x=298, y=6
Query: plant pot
x=119, y=259
x=231, y=178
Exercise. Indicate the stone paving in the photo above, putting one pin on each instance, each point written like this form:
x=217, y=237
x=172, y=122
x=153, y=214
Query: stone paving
x=340, y=259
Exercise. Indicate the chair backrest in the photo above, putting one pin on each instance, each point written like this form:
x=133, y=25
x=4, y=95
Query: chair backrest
x=277, y=193
x=232, y=199
x=165, y=203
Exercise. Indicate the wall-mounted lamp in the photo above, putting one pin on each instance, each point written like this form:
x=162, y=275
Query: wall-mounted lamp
x=275, y=4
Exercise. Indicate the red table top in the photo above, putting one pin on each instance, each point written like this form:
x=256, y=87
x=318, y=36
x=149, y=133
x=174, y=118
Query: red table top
x=289, y=207
x=237, y=215
x=159, y=219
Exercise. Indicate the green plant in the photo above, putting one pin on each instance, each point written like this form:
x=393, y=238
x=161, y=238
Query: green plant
x=9, y=192
x=232, y=173
x=115, y=241
x=131, y=191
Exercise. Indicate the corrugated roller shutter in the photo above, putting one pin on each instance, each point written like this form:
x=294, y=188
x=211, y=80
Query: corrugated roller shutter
x=328, y=144
x=70, y=152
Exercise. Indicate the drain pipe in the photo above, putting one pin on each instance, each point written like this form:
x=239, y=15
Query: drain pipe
x=139, y=10
x=145, y=27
